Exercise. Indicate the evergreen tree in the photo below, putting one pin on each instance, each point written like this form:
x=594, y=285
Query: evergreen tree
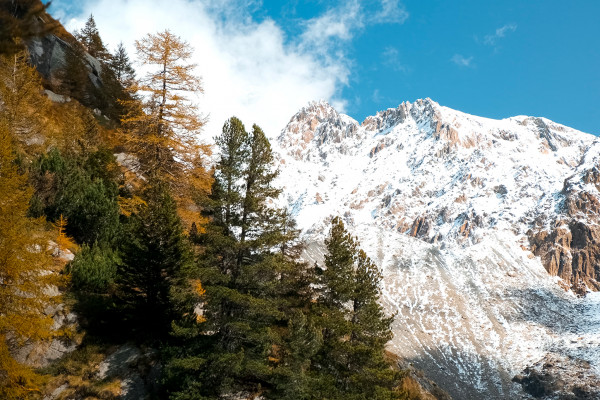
x=156, y=254
x=351, y=363
x=90, y=38
x=121, y=65
x=24, y=277
x=74, y=78
x=255, y=335
x=84, y=193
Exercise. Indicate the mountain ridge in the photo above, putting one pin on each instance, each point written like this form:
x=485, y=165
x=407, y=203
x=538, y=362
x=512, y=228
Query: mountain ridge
x=479, y=226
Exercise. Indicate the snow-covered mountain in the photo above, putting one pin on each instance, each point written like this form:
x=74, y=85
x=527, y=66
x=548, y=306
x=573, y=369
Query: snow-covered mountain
x=480, y=227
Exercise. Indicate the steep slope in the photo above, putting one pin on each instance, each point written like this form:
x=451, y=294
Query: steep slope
x=455, y=208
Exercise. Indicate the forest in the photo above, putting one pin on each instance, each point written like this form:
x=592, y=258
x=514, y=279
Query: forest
x=114, y=209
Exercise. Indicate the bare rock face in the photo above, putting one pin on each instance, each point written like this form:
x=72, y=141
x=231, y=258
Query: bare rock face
x=571, y=249
x=559, y=377
x=50, y=55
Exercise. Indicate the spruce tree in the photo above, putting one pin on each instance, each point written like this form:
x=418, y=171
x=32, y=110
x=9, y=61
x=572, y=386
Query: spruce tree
x=121, y=65
x=255, y=334
x=89, y=37
x=351, y=363
x=153, y=257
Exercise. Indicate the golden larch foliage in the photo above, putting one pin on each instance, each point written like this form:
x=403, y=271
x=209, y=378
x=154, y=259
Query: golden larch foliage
x=200, y=292
x=62, y=240
x=23, y=101
x=26, y=276
x=162, y=125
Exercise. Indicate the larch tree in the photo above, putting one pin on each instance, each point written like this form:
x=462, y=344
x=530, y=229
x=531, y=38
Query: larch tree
x=22, y=20
x=23, y=104
x=24, y=277
x=163, y=128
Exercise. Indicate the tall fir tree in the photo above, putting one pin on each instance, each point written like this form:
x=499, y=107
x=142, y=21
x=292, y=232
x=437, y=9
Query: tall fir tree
x=255, y=334
x=89, y=37
x=351, y=363
x=153, y=258
x=122, y=67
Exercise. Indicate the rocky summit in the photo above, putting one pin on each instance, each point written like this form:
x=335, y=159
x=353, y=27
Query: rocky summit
x=486, y=231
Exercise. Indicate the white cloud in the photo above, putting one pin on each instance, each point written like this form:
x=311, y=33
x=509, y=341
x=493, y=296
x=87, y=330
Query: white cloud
x=391, y=11
x=500, y=33
x=335, y=26
x=461, y=60
x=249, y=68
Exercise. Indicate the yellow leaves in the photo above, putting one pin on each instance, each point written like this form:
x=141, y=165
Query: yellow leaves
x=200, y=292
x=198, y=289
x=28, y=283
x=16, y=380
x=62, y=240
x=131, y=205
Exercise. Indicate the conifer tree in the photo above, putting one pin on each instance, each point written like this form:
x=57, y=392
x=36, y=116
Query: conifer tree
x=121, y=65
x=21, y=20
x=351, y=363
x=166, y=125
x=23, y=104
x=162, y=125
x=90, y=38
x=255, y=333
x=24, y=277
x=156, y=254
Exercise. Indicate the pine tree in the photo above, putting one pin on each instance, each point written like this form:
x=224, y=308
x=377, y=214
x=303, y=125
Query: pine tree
x=24, y=277
x=351, y=363
x=121, y=65
x=256, y=335
x=89, y=37
x=156, y=254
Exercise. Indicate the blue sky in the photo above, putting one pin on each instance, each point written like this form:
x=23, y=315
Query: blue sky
x=489, y=58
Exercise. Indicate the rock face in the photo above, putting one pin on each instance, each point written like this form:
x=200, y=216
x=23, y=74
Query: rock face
x=479, y=226
x=50, y=55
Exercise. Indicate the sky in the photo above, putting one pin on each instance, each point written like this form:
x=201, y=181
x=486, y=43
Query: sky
x=264, y=60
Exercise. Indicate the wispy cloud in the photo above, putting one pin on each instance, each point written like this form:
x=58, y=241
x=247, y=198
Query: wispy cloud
x=348, y=19
x=501, y=32
x=462, y=61
x=340, y=23
x=390, y=12
x=391, y=59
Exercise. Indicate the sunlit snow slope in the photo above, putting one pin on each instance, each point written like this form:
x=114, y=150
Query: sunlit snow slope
x=453, y=208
